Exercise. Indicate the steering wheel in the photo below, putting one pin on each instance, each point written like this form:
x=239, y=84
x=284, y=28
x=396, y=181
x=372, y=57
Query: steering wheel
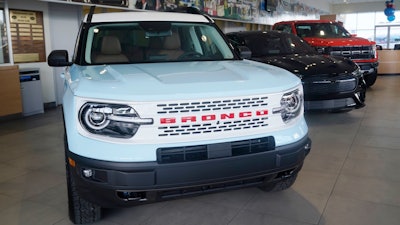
x=190, y=55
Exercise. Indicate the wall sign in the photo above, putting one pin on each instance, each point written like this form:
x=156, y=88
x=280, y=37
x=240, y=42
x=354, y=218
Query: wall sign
x=27, y=35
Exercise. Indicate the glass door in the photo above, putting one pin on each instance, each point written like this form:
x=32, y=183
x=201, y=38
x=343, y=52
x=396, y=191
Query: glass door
x=394, y=40
x=4, y=40
x=388, y=36
x=381, y=36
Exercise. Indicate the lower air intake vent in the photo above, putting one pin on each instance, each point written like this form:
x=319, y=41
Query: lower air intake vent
x=220, y=150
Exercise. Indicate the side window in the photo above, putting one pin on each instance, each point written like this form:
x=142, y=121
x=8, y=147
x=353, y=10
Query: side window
x=284, y=28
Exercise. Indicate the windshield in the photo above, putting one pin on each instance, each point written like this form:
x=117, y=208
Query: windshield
x=140, y=42
x=269, y=44
x=322, y=30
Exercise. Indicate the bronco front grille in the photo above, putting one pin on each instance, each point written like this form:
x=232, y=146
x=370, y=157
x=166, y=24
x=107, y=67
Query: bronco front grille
x=210, y=127
x=353, y=52
x=212, y=107
x=215, y=105
x=204, y=152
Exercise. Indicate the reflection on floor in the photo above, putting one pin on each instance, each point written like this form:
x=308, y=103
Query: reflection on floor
x=350, y=177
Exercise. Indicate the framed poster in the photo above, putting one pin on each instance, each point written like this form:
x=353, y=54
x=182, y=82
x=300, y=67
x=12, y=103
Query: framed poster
x=27, y=36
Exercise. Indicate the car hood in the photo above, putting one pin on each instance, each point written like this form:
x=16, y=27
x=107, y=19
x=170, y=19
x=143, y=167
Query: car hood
x=178, y=80
x=352, y=41
x=311, y=64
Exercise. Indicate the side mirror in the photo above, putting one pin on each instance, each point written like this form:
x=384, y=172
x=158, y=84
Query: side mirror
x=58, y=58
x=244, y=52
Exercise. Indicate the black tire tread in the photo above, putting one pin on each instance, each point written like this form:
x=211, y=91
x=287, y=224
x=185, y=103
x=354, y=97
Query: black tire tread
x=80, y=210
x=370, y=79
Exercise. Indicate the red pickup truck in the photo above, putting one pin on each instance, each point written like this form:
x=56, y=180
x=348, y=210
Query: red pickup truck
x=331, y=38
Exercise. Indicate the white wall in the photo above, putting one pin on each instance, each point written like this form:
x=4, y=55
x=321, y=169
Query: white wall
x=359, y=7
x=60, y=24
x=64, y=25
x=321, y=5
x=345, y=8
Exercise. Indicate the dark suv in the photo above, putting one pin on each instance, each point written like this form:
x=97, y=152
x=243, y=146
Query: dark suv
x=330, y=82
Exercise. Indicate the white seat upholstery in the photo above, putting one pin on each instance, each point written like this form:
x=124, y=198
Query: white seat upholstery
x=111, y=51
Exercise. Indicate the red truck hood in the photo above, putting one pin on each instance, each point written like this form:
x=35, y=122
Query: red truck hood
x=353, y=41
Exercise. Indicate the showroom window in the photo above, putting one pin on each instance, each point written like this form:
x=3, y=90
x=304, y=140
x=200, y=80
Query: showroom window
x=4, y=50
x=362, y=24
x=373, y=26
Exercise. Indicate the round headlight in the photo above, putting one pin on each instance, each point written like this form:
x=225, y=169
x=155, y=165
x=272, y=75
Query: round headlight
x=291, y=101
x=95, y=120
x=291, y=105
x=113, y=120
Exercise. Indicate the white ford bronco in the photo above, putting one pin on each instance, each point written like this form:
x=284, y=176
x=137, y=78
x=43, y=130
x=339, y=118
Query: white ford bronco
x=158, y=105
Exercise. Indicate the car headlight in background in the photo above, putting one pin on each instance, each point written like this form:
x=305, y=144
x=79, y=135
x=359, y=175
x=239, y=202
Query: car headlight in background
x=113, y=120
x=291, y=105
x=374, y=52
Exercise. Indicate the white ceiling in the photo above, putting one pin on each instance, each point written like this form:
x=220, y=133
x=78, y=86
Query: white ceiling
x=352, y=1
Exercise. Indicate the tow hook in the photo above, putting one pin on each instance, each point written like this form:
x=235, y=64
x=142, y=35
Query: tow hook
x=132, y=196
x=286, y=174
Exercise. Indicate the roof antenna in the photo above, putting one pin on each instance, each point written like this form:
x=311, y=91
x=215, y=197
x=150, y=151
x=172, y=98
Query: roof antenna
x=90, y=15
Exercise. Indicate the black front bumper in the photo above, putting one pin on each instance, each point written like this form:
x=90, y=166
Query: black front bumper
x=113, y=184
x=334, y=95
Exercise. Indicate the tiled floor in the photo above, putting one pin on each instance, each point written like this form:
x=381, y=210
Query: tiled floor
x=351, y=176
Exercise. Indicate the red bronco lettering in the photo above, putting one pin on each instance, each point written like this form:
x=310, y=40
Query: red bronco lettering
x=213, y=117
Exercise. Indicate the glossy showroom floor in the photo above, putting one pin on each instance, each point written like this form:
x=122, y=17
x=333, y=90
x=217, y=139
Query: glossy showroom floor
x=351, y=176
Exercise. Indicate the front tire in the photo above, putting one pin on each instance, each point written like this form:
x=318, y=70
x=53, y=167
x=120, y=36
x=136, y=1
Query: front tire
x=371, y=78
x=80, y=210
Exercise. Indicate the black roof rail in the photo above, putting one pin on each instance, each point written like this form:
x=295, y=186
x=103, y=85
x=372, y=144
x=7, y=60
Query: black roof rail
x=194, y=10
x=184, y=9
x=191, y=10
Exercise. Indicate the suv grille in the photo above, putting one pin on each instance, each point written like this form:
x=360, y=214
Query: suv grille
x=210, y=107
x=209, y=127
x=328, y=86
x=353, y=52
x=216, y=105
x=204, y=152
